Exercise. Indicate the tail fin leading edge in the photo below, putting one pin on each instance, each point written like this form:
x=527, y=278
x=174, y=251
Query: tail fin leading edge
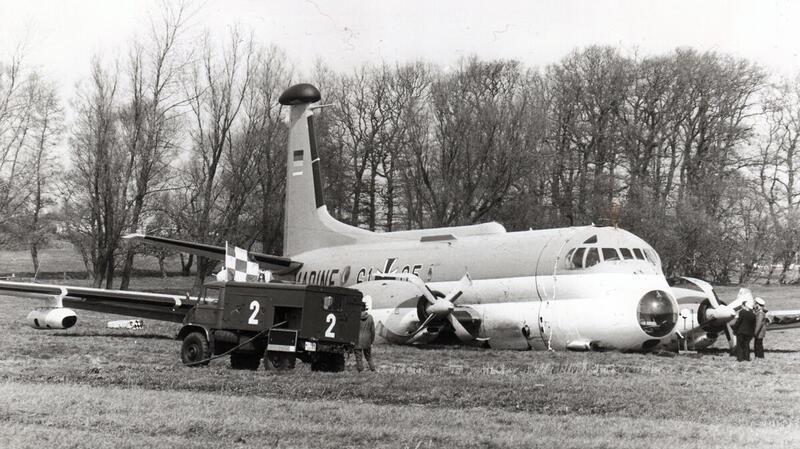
x=307, y=223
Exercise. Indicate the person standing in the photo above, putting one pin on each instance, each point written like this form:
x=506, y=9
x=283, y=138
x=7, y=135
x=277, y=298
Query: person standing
x=744, y=328
x=366, y=335
x=760, y=328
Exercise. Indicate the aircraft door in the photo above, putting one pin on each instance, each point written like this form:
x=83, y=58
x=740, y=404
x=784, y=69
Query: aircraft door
x=509, y=327
x=547, y=289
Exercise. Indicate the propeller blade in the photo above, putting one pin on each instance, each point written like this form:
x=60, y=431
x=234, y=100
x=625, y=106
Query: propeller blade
x=421, y=327
x=461, y=332
x=728, y=333
x=464, y=283
x=706, y=288
x=744, y=295
x=426, y=292
x=417, y=337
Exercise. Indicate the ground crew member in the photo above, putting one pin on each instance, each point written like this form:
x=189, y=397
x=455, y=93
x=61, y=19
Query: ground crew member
x=744, y=328
x=366, y=335
x=760, y=328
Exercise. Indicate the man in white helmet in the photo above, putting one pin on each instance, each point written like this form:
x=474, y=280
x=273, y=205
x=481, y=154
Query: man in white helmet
x=366, y=336
x=744, y=328
x=760, y=328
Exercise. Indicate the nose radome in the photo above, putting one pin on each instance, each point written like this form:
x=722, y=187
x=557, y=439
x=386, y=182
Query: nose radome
x=300, y=94
x=657, y=313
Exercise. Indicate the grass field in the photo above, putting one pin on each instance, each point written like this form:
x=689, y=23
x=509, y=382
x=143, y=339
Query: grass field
x=94, y=387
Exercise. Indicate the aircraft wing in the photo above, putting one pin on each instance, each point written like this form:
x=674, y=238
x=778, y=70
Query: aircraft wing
x=783, y=319
x=129, y=303
x=276, y=264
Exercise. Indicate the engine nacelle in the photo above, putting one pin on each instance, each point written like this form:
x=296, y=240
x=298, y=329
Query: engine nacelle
x=52, y=318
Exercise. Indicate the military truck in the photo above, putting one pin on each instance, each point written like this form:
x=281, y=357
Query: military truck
x=276, y=322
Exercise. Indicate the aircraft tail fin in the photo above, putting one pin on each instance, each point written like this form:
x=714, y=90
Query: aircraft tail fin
x=307, y=223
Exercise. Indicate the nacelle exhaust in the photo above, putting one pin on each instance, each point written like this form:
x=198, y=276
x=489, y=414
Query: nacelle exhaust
x=52, y=318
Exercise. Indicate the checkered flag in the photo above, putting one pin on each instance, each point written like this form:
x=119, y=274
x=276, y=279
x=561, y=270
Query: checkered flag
x=239, y=266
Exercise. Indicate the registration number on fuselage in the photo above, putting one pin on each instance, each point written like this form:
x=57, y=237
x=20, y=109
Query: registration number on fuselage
x=336, y=276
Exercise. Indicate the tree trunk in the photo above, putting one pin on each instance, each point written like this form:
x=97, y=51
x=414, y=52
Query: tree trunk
x=770, y=273
x=35, y=259
x=99, y=272
x=204, y=268
x=186, y=266
x=110, y=270
x=127, y=269
x=161, y=266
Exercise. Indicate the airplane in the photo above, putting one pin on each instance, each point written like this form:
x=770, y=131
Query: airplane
x=576, y=288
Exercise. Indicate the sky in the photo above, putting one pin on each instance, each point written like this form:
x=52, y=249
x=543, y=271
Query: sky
x=62, y=35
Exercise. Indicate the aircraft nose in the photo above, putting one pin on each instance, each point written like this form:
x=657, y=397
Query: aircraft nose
x=657, y=313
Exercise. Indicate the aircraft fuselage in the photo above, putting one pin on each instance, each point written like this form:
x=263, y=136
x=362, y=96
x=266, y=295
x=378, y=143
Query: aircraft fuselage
x=527, y=290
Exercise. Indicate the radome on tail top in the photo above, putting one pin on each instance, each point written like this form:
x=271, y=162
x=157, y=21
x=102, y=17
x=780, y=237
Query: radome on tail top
x=579, y=288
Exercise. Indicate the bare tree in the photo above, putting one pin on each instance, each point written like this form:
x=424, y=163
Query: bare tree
x=265, y=134
x=96, y=186
x=47, y=127
x=478, y=147
x=150, y=117
x=219, y=176
x=778, y=160
x=17, y=98
x=30, y=124
x=360, y=99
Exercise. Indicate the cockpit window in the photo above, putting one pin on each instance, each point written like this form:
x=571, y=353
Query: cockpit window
x=585, y=257
x=610, y=254
x=592, y=258
x=576, y=261
x=651, y=256
x=592, y=239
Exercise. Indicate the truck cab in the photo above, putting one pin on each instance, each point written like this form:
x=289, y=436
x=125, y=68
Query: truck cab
x=276, y=322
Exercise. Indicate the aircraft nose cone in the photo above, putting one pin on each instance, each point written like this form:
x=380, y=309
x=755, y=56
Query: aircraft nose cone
x=721, y=313
x=657, y=313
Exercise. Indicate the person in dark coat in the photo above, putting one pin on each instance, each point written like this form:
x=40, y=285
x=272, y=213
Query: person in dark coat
x=760, y=328
x=366, y=335
x=744, y=327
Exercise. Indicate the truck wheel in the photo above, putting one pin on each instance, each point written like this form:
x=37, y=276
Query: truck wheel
x=195, y=349
x=245, y=360
x=279, y=360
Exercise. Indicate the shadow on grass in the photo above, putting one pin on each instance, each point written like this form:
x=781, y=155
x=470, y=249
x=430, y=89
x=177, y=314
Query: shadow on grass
x=720, y=351
x=112, y=335
x=439, y=347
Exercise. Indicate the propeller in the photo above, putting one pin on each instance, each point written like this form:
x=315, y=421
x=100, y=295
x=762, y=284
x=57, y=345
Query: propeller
x=438, y=307
x=720, y=314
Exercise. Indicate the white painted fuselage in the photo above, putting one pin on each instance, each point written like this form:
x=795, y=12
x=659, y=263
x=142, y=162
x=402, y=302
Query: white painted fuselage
x=526, y=291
